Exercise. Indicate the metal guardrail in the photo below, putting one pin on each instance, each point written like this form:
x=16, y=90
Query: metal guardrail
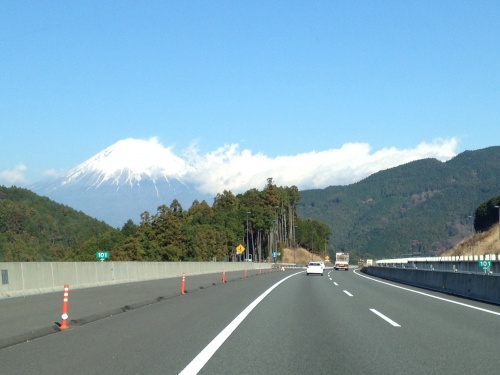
x=479, y=264
x=287, y=266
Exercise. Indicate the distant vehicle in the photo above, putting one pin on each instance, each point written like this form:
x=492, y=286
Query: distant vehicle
x=314, y=268
x=341, y=261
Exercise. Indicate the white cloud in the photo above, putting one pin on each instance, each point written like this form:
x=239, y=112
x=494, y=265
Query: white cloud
x=52, y=173
x=227, y=168
x=15, y=176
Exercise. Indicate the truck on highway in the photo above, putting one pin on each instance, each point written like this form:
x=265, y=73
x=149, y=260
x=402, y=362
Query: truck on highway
x=341, y=261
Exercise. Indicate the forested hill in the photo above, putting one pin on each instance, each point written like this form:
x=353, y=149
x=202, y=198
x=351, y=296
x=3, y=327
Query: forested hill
x=424, y=207
x=34, y=228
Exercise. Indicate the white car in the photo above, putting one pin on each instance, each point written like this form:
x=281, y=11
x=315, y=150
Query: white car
x=314, y=268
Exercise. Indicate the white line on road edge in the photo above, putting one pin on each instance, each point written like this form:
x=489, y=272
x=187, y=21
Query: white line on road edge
x=201, y=359
x=385, y=318
x=429, y=295
x=346, y=292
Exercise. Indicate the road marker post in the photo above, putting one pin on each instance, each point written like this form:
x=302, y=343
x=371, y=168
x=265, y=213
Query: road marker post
x=246, y=273
x=64, y=316
x=223, y=276
x=183, y=283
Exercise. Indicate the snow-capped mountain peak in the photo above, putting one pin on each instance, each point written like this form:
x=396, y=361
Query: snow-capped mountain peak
x=129, y=161
x=124, y=180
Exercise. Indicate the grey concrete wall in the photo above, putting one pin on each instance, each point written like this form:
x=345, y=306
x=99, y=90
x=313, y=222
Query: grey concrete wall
x=482, y=287
x=26, y=278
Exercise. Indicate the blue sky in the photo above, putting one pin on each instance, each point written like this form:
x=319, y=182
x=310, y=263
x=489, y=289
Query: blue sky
x=273, y=79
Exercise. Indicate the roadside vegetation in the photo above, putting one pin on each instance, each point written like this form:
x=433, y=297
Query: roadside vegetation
x=483, y=243
x=33, y=228
x=486, y=239
x=302, y=256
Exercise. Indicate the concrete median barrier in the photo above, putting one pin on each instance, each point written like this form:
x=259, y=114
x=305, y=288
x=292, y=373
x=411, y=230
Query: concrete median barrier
x=28, y=278
x=481, y=287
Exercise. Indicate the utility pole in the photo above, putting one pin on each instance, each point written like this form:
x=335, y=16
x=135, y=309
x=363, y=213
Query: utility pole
x=312, y=248
x=498, y=222
x=247, y=250
x=472, y=238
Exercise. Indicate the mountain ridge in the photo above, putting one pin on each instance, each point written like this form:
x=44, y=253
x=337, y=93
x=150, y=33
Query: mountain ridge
x=149, y=159
x=425, y=206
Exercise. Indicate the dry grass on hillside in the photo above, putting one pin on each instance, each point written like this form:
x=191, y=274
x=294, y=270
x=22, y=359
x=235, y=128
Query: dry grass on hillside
x=300, y=256
x=479, y=244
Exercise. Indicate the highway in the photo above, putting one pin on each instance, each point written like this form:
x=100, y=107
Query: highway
x=272, y=323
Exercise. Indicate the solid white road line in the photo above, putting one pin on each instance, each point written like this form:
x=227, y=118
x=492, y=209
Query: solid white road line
x=201, y=359
x=346, y=292
x=429, y=295
x=385, y=318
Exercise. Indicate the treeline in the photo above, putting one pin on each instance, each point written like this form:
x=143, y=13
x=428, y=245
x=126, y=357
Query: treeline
x=263, y=222
x=33, y=228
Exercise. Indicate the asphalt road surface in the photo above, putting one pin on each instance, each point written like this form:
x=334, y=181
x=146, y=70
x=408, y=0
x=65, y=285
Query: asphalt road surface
x=274, y=323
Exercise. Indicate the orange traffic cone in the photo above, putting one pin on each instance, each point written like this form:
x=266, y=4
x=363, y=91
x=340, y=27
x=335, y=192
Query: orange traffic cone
x=183, y=284
x=64, y=316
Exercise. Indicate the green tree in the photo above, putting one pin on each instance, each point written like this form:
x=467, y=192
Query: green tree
x=486, y=215
x=130, y=250
x=129, y=228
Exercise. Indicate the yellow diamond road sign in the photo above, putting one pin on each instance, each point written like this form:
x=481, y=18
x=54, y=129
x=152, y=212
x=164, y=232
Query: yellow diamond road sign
x=240, y=249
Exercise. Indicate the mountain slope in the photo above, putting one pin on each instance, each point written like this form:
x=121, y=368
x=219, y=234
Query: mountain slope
x=424, y=206
x=129, y=162
x=34, y=228
x=123, y=181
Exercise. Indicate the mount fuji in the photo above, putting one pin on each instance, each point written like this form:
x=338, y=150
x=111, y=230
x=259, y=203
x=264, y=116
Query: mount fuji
x=123, y=181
